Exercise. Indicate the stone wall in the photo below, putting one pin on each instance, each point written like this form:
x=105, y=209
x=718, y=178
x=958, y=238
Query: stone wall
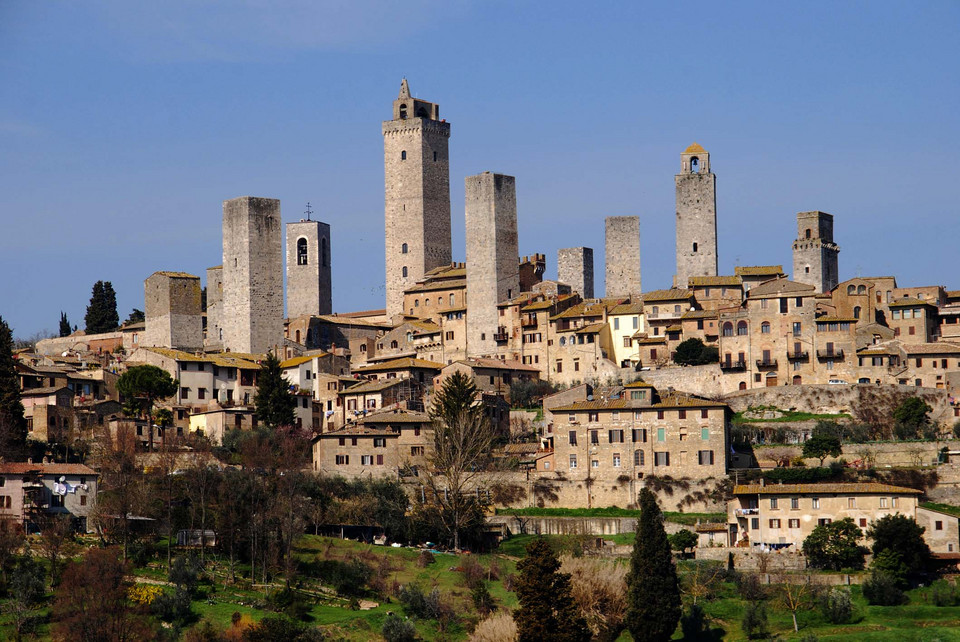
x=575, y=268
x=308, y=274
x=214, y=305
x=622, y=256
x=814, y=252
x=696, y=218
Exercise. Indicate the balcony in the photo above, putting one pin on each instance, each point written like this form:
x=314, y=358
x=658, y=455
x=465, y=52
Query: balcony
x=766, y=363
x=798, y=356
x=528, y=321
x=733, y=365
x=830, y=354
x=501, y=336
x=743, y=512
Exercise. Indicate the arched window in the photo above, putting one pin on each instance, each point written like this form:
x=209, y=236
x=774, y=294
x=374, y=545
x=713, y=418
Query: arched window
x=856, y=312
x=851, y=289
x=324, y=253
x=393, y=344
x=861, y=289
x=301, y=251
x=765, y=327
x=363, y=347
x=797, y=380
x=807, y=233
x=426, y=301
x=452, y=300
x=741, y=328
x=403, y=155
x=403, y=249
x=728, y=329
x=563, y=341
x=695, y=165
x=416, y=303
x=403, y=112
x=403, y=272
x=298, y=336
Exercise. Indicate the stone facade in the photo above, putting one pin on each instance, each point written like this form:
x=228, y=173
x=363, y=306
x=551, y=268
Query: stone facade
x=696, y=216
x=214, y=329
x=814, y=252
x=386, y=444
x=173, y=312
x=623, y=256
x=29, y=492
x=492, y=257
x=575, y=268
x=252, y=318
x=417, y=194
x=309, y=291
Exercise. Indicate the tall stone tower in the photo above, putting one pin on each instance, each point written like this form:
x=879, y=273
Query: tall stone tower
x=172, y=311
x=417, y=194
x=814, y=252
x=492, y=257
x=623, y=256
x=214, y=306
x=308, y=269
x=575, y=268
x=696, y=216
x=252, y=308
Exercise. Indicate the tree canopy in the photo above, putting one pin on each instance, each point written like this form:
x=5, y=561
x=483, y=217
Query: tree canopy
x=835, y=546
x=653, y=592
x=693, y=352
x=142, y=386
x=65, y=329
x=901, y=535
x=275, y=403
x=547, y=609
x=13, y=424
x=911, y=417
x=456, y=396
x=822, y=446
x=102, y=312
x=136, y=316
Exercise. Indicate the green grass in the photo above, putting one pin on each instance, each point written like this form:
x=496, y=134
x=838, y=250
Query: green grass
x=943, y=508
x=788, y=416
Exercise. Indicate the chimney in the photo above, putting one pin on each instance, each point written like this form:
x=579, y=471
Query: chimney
x=762, y=482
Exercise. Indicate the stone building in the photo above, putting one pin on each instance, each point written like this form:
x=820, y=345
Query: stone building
x=622, y=256
x=575, y=268
x=696, y=216
x=213, y=331
x=30, y=492
x=173, y=312
x=252, y=318
x=417, y=194
x=309, y=291
x=492, y=257
x=814, y=252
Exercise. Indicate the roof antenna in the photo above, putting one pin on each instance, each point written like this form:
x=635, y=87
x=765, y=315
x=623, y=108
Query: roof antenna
x=309, y=211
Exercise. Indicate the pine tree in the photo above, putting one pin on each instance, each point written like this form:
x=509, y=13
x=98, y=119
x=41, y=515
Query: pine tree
x=653, y=593
x=274, y=402
x=13, y=425
x=547, y=610
x=457, y=395
x=64, y=325
x=102, y=312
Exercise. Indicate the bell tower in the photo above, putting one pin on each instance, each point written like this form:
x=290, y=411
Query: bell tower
x=696, y=216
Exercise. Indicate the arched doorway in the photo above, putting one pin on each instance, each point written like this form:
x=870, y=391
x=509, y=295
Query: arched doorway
x=771, y=379
x=797, y=380
x=743, y=385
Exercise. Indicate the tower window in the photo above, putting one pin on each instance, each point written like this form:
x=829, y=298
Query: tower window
x=403, y=112
x=695, y=165
x=301, y=251
x=806, y=270
x=856, y=312
x=694, y=247
x=403, y=249
x=403, y=272
x=808, y=233
x=324, y=254
x=434, y=157
x=403, y=155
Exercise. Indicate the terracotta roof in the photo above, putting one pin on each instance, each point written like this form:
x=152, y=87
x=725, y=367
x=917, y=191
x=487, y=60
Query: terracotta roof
x=675, y=328
x=448, y=271
x=866, y=488
x=642, y=341
x=39, y=392
x=593, y=328
x=677, y=400
x=401, y=364
x=673, y=294
x=639, y=384
x=932, y=348
x=704, y=281
x=20, y=468
x=223, y=359
x=758, y=270
x=495, y=364
x=295, y=361
x=694, y=149
x=363, y=313
x=540, y=305
x=431, y=286
x=346, y=320
x=590, y=308
x=397, y=417
x=371, y=386
x=877, y=351
x=910, y=302
x=953, y=294
x=627, y=308
x=130, y=327
x=782, y=285
x=700, y=314
x=356, y=429
x=609, y=404
x=427, y=326
x=711, y=528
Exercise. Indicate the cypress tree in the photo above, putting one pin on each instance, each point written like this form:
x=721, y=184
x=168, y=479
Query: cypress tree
x=653, y=592
x=102, y=312
x=547, y=610
x=274, y=402
x=64, y=325
x=13, y=425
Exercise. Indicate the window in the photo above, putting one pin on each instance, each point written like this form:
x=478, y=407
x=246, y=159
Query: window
x=616, y=463
x=851, y=502
x=765, y=327
x=615, y=436
x=595, y=437
x=895, y=502
x=638, y=458
x=705, y=434
x=794, y=503
x=403, y=249
x=639, y=435
x=755, y=523
x=201, y=393
x=379, y=460
x=863, y=522
x=184, y=393
x=301, y=251
x=793, y=523
x=572, y=436
x=824, y=521
x=774, y=523
x=573, y=461
x=627, y=342
x=616, y=323
x=403, y=155
x=379, y=442
x=593, y=416
x=705, y=458
x=883, y=502
x=661, y=459
x=594, y=463
x=682, y=414
x=796, y=328
x=728, y=329
x=661, y=434
x=938, y=525
x=416, y=451
x=783, y=306
x=366, y=460
x=403, y=272
x=659, y=414
x=741, y=328
x=704, y=413
x=83, y=500
x=559, y=366
x=343, y=460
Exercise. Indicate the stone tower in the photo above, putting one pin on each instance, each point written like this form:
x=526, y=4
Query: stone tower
x=417, y=194
x=623, y=256
x=214, y=336
x=814, y=252
x=696, y=216
x=308, y=269
x=492, y=258
x=575, y=268
x=172, y=310
x=252, y=308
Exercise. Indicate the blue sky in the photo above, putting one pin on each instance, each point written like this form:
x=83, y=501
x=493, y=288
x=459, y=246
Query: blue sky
x=123, y=126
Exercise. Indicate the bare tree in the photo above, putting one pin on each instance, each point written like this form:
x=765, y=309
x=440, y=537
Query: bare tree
x=795, y=597
x=57, y=542
x=702, y=580
x=599, y=589
x=461, y=454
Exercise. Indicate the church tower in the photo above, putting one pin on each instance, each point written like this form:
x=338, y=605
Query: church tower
x=696, y=216
x=308, y=269
x=417, y=194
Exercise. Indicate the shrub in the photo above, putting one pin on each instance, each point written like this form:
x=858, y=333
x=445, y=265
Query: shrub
x=482, y=600
x=425, y=559
x=425, y=606
x=397, y=630
x=599, y=591
x=185, y=572
x=496, y=628
x=754, y=623
x=943, y=593
x=473, y=572
x=749, y=588
x=801, y=475
x=290, y=603
x=880, y=589
x=837, y=607
x=173, y=607
x=347, y=578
